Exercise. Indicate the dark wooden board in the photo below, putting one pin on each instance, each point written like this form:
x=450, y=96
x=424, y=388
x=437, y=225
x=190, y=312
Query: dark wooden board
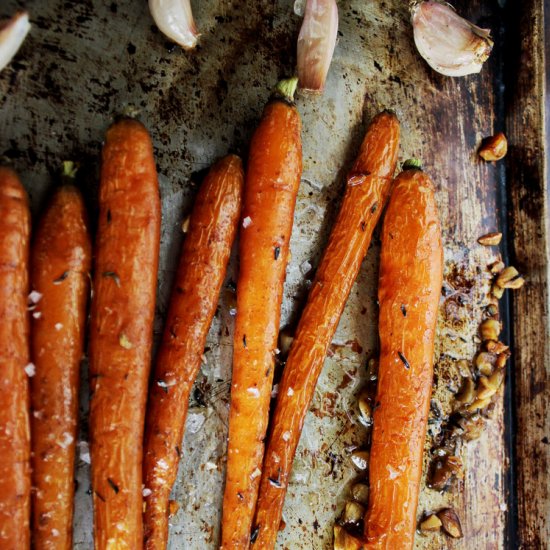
x=527, y=122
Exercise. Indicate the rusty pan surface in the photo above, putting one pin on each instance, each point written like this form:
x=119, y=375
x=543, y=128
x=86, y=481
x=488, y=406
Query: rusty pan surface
x=84, y=62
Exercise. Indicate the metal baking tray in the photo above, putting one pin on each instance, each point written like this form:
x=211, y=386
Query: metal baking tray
x=86, y=61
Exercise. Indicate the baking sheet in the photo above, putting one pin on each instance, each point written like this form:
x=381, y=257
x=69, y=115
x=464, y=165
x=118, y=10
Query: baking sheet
x=84, y=62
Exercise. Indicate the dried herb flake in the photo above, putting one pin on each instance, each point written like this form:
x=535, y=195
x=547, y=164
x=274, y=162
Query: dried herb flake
x=113, y=485
x=60, y=279
x=254, y=534
x=404, y=359
x=113, y=276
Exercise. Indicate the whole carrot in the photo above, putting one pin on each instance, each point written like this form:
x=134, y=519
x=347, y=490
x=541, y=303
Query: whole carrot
x=368, y=187
x=202, y=268
x=411, y=272
x=14, y=363
x=60, y=260
x=272, y=181
x=123, y=305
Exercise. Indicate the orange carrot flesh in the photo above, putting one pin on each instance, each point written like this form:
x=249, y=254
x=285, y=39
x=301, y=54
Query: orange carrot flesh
x=203, y=264
x=272, y=181
x=121, y=326
x=368, y=187
x=15, y=482
x=409, y=290
x=60, y=258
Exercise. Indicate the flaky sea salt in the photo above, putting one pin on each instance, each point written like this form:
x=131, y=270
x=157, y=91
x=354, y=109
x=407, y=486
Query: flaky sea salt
x=30, y=370
x=35, y=297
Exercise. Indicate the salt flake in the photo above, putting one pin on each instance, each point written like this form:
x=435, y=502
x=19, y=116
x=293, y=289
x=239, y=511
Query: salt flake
x=35, y=296
x=66, y=441
x=30, y=370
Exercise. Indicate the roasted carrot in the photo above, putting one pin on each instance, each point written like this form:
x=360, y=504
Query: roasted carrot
x=123, y=305
x=202, y=268
x=272, y=181
x=368, y=187
x=411, y=268
x=60, y=269
x=15, y=483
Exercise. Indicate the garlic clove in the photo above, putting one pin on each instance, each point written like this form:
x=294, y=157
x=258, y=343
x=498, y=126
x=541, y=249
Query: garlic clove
x=12, y=35
x=316, y=43
x=174, y=18
x=450, y=44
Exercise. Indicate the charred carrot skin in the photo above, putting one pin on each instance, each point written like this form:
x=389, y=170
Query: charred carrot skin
x=15, y=481
x=60, y=260
x=411, y=272
x=203, y=264
x=368, y=187
x=123, y=304
x=272, y=181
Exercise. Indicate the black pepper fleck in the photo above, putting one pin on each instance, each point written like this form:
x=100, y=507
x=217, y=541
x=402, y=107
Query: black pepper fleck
x=277, y=252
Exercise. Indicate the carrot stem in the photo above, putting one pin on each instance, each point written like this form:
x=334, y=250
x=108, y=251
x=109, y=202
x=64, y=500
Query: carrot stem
x=287, y=88
x=69, y=170
x=412, y=164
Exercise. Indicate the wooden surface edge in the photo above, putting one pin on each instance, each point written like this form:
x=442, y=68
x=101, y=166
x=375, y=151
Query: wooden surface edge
x=527, y=176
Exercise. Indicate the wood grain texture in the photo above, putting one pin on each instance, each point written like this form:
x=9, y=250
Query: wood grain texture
x=527, y=167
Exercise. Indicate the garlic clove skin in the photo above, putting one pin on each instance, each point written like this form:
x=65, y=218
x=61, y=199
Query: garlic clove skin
x=316, y=43
x=12, y=35
x=450, y=44
x=175, y=20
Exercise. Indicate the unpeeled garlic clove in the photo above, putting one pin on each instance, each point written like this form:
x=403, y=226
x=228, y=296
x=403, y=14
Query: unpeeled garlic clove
x=316, y=43
x=450, y=44
x=174, y=18
x=12, y=35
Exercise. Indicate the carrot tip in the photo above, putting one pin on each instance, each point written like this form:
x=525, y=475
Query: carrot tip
x=287, y=88
x=69, y=169
x=412, y=164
